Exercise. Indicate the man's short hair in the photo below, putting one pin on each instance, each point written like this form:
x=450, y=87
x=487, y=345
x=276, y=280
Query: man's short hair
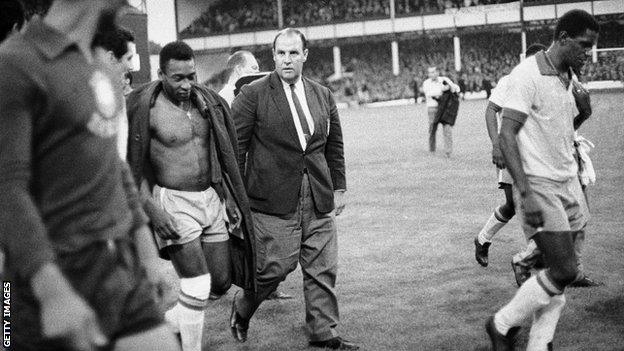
x=287, y=31
x=176, y=50
x=575, y=23
x=11, y=13
x=114, y=40
x=237, y=59
x=534, y=49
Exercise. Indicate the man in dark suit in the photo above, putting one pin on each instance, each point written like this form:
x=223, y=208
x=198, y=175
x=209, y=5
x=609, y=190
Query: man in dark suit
x=291, y=156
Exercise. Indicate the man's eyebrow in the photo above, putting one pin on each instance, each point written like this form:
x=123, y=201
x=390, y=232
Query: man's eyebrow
x=180, y=75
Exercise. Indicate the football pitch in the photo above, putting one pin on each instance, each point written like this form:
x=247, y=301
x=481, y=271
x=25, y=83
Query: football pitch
x=407, y=276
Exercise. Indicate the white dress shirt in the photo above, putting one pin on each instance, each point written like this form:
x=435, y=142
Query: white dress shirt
x=227, y=93
x=300, y=91
x=434, y=88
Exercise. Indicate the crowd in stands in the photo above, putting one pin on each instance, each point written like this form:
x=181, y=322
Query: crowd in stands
x=227, y=16
x=485, y=55
x=297, y=13
x=417, y=7
x=232, y=16
x=610, y=65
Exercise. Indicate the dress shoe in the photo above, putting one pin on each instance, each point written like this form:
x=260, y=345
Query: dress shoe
x=336, y=343
x=238, y=324
x=481, y=252
x=499, y=341
x=521, y=272
x=585, y=282
x=279, y=295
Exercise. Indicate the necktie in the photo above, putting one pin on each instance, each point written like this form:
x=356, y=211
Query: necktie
x=304, y=122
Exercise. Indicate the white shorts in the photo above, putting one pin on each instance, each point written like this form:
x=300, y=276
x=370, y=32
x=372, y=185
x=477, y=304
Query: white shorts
x=562, y=203
x=197, y=214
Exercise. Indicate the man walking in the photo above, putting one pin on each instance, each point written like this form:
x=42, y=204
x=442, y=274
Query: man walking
x=537, y=140
x=505, y=212
x=433, y=88
x=182, y=150
x=291, y=155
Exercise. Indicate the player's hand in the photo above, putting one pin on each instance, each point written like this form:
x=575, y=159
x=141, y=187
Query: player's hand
x=581, y=97
x=497, y=155
x=164, y=224
x=64, y=314
x=339, y=202
x=532, y=211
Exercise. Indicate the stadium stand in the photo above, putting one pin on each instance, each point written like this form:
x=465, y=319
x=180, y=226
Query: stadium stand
x=486, y=54
x=232, y=16
x=228, y=16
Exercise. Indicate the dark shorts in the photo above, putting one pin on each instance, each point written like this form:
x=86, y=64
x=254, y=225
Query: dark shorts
x=110, y=278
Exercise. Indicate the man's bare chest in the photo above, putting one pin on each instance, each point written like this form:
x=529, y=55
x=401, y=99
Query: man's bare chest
x=175, y=127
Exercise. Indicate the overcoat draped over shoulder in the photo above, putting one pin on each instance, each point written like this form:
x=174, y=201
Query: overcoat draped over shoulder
x=216, y=110
x=448, y=105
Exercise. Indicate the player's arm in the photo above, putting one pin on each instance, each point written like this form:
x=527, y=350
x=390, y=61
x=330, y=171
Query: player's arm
x=23, y=235
x=520, y=95
x=244, y=116
x=450, y=85
x=163, y=223
x=491, y=122
x=512, y=122
x=334, y=155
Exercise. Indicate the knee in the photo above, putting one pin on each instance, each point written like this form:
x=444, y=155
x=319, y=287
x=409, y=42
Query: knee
x=507, y=210
x=564, y=273
x=221, y=283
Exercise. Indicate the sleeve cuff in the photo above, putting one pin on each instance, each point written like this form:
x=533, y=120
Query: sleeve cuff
x=494, y=106
x=515, y=115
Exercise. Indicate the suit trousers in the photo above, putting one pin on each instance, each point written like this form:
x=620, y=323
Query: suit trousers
x=307, y=237
x=447, y=130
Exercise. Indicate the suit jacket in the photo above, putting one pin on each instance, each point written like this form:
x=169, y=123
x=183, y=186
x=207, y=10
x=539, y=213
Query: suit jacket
x=270, y=155
x=216, y=110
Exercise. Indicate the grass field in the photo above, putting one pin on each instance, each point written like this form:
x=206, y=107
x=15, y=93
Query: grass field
x=407, y=276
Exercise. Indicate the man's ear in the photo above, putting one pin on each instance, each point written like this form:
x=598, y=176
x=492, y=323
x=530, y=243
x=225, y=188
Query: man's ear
x=15, y=28
x=111, y=57
x=563, y=36
x=305, y=55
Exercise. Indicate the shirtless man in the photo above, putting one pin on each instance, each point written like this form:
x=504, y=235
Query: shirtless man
x=181, y=151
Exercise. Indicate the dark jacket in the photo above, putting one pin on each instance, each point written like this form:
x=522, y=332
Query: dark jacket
x=448, y=104
x=211, y=106
x=270, y=155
